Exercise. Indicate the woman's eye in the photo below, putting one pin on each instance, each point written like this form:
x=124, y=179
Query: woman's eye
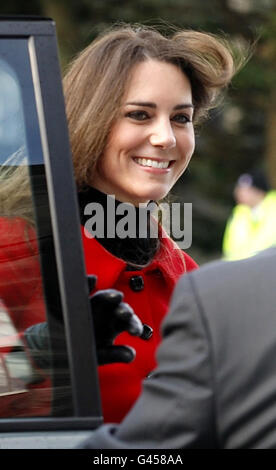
x=138, y=115
x=182, y=118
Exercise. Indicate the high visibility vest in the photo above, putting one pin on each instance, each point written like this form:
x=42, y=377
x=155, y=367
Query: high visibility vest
x=249, y=231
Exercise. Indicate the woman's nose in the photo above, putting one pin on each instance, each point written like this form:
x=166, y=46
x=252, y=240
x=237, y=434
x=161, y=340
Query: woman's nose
x=163, y=136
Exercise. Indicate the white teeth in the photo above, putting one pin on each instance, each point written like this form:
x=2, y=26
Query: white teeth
x=152, y=163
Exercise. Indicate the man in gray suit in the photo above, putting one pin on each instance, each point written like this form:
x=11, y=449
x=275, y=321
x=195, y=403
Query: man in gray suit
x=215, y=384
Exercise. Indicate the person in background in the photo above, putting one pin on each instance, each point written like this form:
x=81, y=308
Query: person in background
x=252, y=225
x=133, y=97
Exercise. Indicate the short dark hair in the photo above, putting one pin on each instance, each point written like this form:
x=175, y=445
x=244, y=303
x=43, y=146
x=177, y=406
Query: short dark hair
x=256, y=179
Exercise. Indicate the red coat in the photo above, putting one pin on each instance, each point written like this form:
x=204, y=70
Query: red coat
x=148, y=291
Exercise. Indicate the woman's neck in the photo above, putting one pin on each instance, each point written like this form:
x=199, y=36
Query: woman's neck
x=123, y=229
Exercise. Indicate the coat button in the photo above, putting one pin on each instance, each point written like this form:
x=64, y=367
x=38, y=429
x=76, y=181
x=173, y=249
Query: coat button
x=147, y=332
x=136, y=283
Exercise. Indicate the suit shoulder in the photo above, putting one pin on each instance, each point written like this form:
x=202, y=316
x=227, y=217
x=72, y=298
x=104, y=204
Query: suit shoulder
x=265, y=262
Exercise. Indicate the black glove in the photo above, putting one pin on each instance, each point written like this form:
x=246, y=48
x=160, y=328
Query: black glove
x=111, y=316
x=37, y=339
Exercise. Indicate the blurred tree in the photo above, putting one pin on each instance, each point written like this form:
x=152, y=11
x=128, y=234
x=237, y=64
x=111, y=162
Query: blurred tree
x=268, y=55
x=67, y=26
x=20, y=7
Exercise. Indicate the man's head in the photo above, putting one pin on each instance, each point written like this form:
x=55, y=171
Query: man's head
x=251, y=188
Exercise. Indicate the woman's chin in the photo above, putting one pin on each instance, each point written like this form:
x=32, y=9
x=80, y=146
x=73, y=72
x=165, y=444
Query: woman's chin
x=146, y=196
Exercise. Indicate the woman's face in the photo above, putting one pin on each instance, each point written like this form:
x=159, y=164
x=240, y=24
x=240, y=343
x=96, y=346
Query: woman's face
x=152, y=140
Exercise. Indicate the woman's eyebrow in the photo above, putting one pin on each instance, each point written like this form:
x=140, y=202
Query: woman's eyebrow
x=149, y=104
x=184, y=105
x=142, y=103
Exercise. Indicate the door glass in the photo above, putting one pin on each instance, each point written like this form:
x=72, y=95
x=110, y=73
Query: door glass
x=34, y=376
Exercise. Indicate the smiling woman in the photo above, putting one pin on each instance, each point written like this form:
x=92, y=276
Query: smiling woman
x=132, y=98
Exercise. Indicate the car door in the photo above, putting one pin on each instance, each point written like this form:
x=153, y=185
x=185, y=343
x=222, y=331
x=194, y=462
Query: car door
x=42, y=274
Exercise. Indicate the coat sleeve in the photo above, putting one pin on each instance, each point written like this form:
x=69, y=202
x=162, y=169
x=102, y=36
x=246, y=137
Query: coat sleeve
x=176, y=407
x=20, y=277
x=21, y=303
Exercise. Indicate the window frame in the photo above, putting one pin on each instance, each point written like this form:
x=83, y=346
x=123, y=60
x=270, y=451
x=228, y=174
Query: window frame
x=63, y=208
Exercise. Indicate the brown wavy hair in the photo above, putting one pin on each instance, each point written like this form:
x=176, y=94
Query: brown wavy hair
x=15, y=188
x=97, y=78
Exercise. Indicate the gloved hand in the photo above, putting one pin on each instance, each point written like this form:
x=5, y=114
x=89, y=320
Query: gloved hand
x=111, y=316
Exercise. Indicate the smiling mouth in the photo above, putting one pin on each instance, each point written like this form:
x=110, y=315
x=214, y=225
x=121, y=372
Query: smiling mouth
x=153, y=163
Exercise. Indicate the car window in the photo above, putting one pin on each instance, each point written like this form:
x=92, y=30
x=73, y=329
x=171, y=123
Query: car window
x=44, y=306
